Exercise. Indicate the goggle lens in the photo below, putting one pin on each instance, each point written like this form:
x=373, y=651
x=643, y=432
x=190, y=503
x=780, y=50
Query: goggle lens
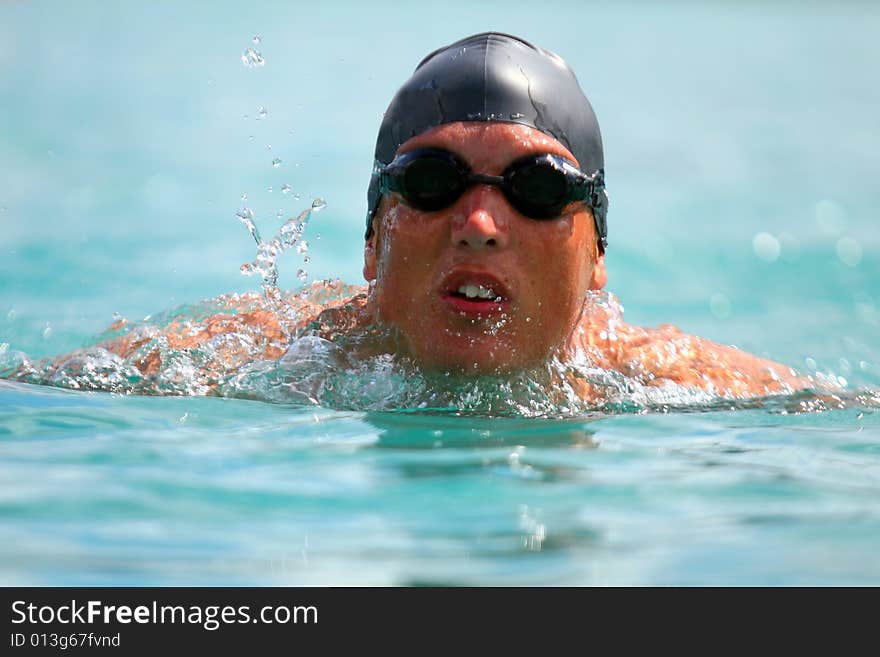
x=539, y=187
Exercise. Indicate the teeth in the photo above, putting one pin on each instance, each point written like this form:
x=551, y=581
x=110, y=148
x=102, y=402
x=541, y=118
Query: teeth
x=476, y=291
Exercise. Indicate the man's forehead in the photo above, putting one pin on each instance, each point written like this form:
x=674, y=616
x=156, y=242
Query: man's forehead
x=488, y=144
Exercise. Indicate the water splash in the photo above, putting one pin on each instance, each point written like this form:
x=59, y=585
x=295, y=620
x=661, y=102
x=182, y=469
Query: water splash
x=252, y=58
x=290, y=235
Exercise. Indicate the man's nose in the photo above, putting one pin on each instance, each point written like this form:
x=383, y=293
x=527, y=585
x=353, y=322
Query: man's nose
x=480, y=222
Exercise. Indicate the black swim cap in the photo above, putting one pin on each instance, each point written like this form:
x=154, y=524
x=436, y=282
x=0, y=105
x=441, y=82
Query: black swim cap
x=494, y=77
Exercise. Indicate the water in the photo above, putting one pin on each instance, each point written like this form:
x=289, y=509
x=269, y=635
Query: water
x=752, y=172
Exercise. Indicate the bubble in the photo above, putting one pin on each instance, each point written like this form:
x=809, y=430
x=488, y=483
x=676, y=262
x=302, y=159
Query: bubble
x=307, y=259
x=766, y=247
x=302, y=275
x=719, y=305
x=285, y=189
x=250, y=137
x=256, y=39
x=183, y=418
x=247, y=269
x=276, y=162
x=318, y=204
x=269, y=189
x=11, y=315
x=516, y=115
x=252, y=58
x=849, y=251
x=810, y=363
x=47, y=332
x=243, y=198
x=262, y=113
x=302, y=246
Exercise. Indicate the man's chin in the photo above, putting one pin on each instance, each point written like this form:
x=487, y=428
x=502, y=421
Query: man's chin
x=477, y=360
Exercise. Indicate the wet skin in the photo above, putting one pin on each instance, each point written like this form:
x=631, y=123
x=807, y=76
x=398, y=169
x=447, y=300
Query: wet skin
x=539, y=271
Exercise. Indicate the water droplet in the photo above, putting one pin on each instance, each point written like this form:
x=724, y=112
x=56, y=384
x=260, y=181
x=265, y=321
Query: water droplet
x=302, y=246
x=719, y=306
x=318, y=236
x=252, y=58
x=766, y=247
x=247, y=269
x=849, y=251
x=810, y=363
x=307, y=259
x=318, y=204
x=262, y=113
x=11, y=315
x=47, y=332
x=285, y=189
x=183, y=417
x=302, y=275
x=276, y=162
x=243, y=197
x=268, y=147
x=250, y=137
x=256, y=39
x=516, y=115
x=269, y=189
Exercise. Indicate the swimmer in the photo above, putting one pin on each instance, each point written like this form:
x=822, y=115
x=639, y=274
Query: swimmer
x=485, y=245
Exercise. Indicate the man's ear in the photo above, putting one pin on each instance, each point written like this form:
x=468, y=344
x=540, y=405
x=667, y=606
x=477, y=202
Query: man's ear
x=599, y=276
x=370, y=265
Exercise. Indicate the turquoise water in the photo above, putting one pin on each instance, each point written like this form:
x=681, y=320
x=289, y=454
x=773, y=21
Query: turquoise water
x=741, y=148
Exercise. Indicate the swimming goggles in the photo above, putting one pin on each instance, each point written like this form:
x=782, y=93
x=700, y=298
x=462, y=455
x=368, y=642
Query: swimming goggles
x=537, y=186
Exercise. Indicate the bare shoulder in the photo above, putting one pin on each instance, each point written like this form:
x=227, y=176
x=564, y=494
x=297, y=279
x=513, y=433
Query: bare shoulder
x=238, y=328
x=654, y=356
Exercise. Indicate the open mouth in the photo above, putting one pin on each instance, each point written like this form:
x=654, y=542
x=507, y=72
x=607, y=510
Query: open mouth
x=474, y=293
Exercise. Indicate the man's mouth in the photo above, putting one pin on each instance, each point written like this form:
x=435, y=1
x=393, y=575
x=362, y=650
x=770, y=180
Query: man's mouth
x=474, y=294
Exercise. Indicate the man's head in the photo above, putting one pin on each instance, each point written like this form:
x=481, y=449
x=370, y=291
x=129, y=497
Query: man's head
x=488, y=227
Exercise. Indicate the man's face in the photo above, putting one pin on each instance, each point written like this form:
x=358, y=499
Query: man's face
x=427, y=265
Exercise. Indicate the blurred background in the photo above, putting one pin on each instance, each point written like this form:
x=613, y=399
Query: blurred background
x=741, y=141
